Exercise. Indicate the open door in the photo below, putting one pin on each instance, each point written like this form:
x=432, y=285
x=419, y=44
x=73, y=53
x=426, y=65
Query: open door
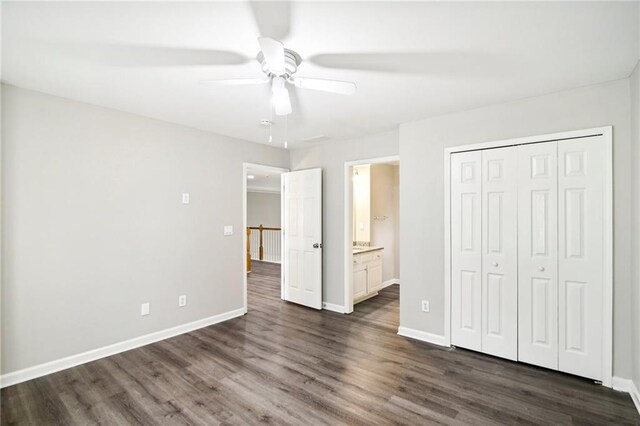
x=302, y=237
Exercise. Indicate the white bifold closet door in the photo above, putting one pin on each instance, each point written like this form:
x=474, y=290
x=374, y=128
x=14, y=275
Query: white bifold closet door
x=538, y=254
x=527, y=253
x=581, y=213
x=500, y=252
x=484, y=278
x=466, y=250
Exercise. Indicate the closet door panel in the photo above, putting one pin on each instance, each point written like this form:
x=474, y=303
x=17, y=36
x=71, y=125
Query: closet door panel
x=499, y=252
x=466, y=264
x=538, y=254
x=581, y=225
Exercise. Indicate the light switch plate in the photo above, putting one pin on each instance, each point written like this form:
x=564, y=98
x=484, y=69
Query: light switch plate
x=144, y=309
x=185, y=198
x=228, y=230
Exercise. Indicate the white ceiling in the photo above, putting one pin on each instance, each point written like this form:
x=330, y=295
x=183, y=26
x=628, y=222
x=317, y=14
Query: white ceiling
x=421, y=59
x=263, y=180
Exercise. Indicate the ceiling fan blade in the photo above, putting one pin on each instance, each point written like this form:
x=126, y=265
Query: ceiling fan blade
x=140, y=55
x=273, y=52
x=449, y=63
x=331, y=86
x=272, y=18
x=235, y=82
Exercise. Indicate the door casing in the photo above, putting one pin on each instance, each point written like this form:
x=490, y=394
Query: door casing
x=348, y=226
x=245, y=167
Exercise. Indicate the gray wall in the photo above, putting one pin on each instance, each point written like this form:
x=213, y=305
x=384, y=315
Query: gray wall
x=94, y=226
x=331, y=156
x=384, y=202
x=263, y=208
x=422, y=147
x=635, y=226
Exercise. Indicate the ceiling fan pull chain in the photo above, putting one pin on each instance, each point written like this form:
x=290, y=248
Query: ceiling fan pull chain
x=270, y=123
x=286, y=130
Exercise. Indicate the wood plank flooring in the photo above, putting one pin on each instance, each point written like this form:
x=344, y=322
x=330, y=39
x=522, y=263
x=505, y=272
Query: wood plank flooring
x=285, y=364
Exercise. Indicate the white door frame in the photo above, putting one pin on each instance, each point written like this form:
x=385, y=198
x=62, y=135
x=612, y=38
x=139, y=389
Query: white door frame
x=348, y=224
x=607, y=303
x=274, y=169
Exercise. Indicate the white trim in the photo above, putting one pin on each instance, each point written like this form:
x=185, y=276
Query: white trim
x=412, y=333
x=390, y=282
x=596, y=131
x=607, y=299
x=50, y=367
x=245, y=190
x=627, y=385
x=606, y=132
x=447, y=247
x=333, y=307
x=264, y=190
x=348, y=222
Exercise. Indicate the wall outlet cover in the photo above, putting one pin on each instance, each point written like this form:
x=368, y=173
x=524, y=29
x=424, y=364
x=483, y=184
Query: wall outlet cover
x=228, y=230
x=144, y=309
x=425, y=306
x=185, y=198
x=182, y=300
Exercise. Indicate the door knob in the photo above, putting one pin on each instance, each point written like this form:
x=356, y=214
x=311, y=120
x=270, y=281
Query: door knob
x=317, y=245
x=495, y=263
x=541, y=268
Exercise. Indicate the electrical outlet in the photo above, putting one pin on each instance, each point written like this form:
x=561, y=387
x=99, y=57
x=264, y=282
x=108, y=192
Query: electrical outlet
x=182, y=300
x=144, y=309
x=425, y=306
x=185, y=198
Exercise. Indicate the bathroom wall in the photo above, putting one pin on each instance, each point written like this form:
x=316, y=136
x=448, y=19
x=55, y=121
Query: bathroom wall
x=384, y=216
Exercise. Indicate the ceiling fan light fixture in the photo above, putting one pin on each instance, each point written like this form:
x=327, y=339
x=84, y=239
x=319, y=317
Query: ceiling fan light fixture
x=280, y=98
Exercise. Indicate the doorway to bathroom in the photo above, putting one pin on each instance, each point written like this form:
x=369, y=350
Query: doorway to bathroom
x=372, y=256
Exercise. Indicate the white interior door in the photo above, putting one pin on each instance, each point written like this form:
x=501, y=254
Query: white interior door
x=302, y=237
x=538, y=254
x=581, y=176
x=466, y=255
x=500, y=252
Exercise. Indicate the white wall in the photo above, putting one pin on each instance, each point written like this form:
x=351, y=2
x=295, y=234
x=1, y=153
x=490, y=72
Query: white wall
x=635, y=226
x=263, y=208
x=384, y=199
x=94, y=225
x=422, y=145
x=331, y=156
x=361, y=195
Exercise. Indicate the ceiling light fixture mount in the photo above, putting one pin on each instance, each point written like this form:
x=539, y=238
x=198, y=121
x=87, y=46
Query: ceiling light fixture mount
x=291, y=62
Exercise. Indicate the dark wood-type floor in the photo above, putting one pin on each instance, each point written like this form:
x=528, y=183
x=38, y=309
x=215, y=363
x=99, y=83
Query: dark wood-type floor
x=285, y=364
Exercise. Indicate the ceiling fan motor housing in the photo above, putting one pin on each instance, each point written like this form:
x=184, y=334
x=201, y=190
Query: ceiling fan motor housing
x=291, y=62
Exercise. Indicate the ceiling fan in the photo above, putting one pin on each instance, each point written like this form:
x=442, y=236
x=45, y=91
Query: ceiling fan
x=279, y=66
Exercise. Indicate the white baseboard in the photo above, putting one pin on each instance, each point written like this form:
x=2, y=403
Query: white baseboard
x=436, y=339
x=627, y=385
x=390, y=282
x=50, y=367
x=333, y=307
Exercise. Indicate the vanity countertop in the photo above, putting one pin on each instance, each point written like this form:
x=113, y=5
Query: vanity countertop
x=363, y=249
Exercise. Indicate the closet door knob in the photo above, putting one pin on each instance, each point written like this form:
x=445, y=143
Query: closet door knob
x=495, y=263
x=541, y=268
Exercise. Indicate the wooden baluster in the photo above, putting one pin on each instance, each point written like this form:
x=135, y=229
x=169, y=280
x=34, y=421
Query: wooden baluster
x=261, y=247
x=248, y=249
